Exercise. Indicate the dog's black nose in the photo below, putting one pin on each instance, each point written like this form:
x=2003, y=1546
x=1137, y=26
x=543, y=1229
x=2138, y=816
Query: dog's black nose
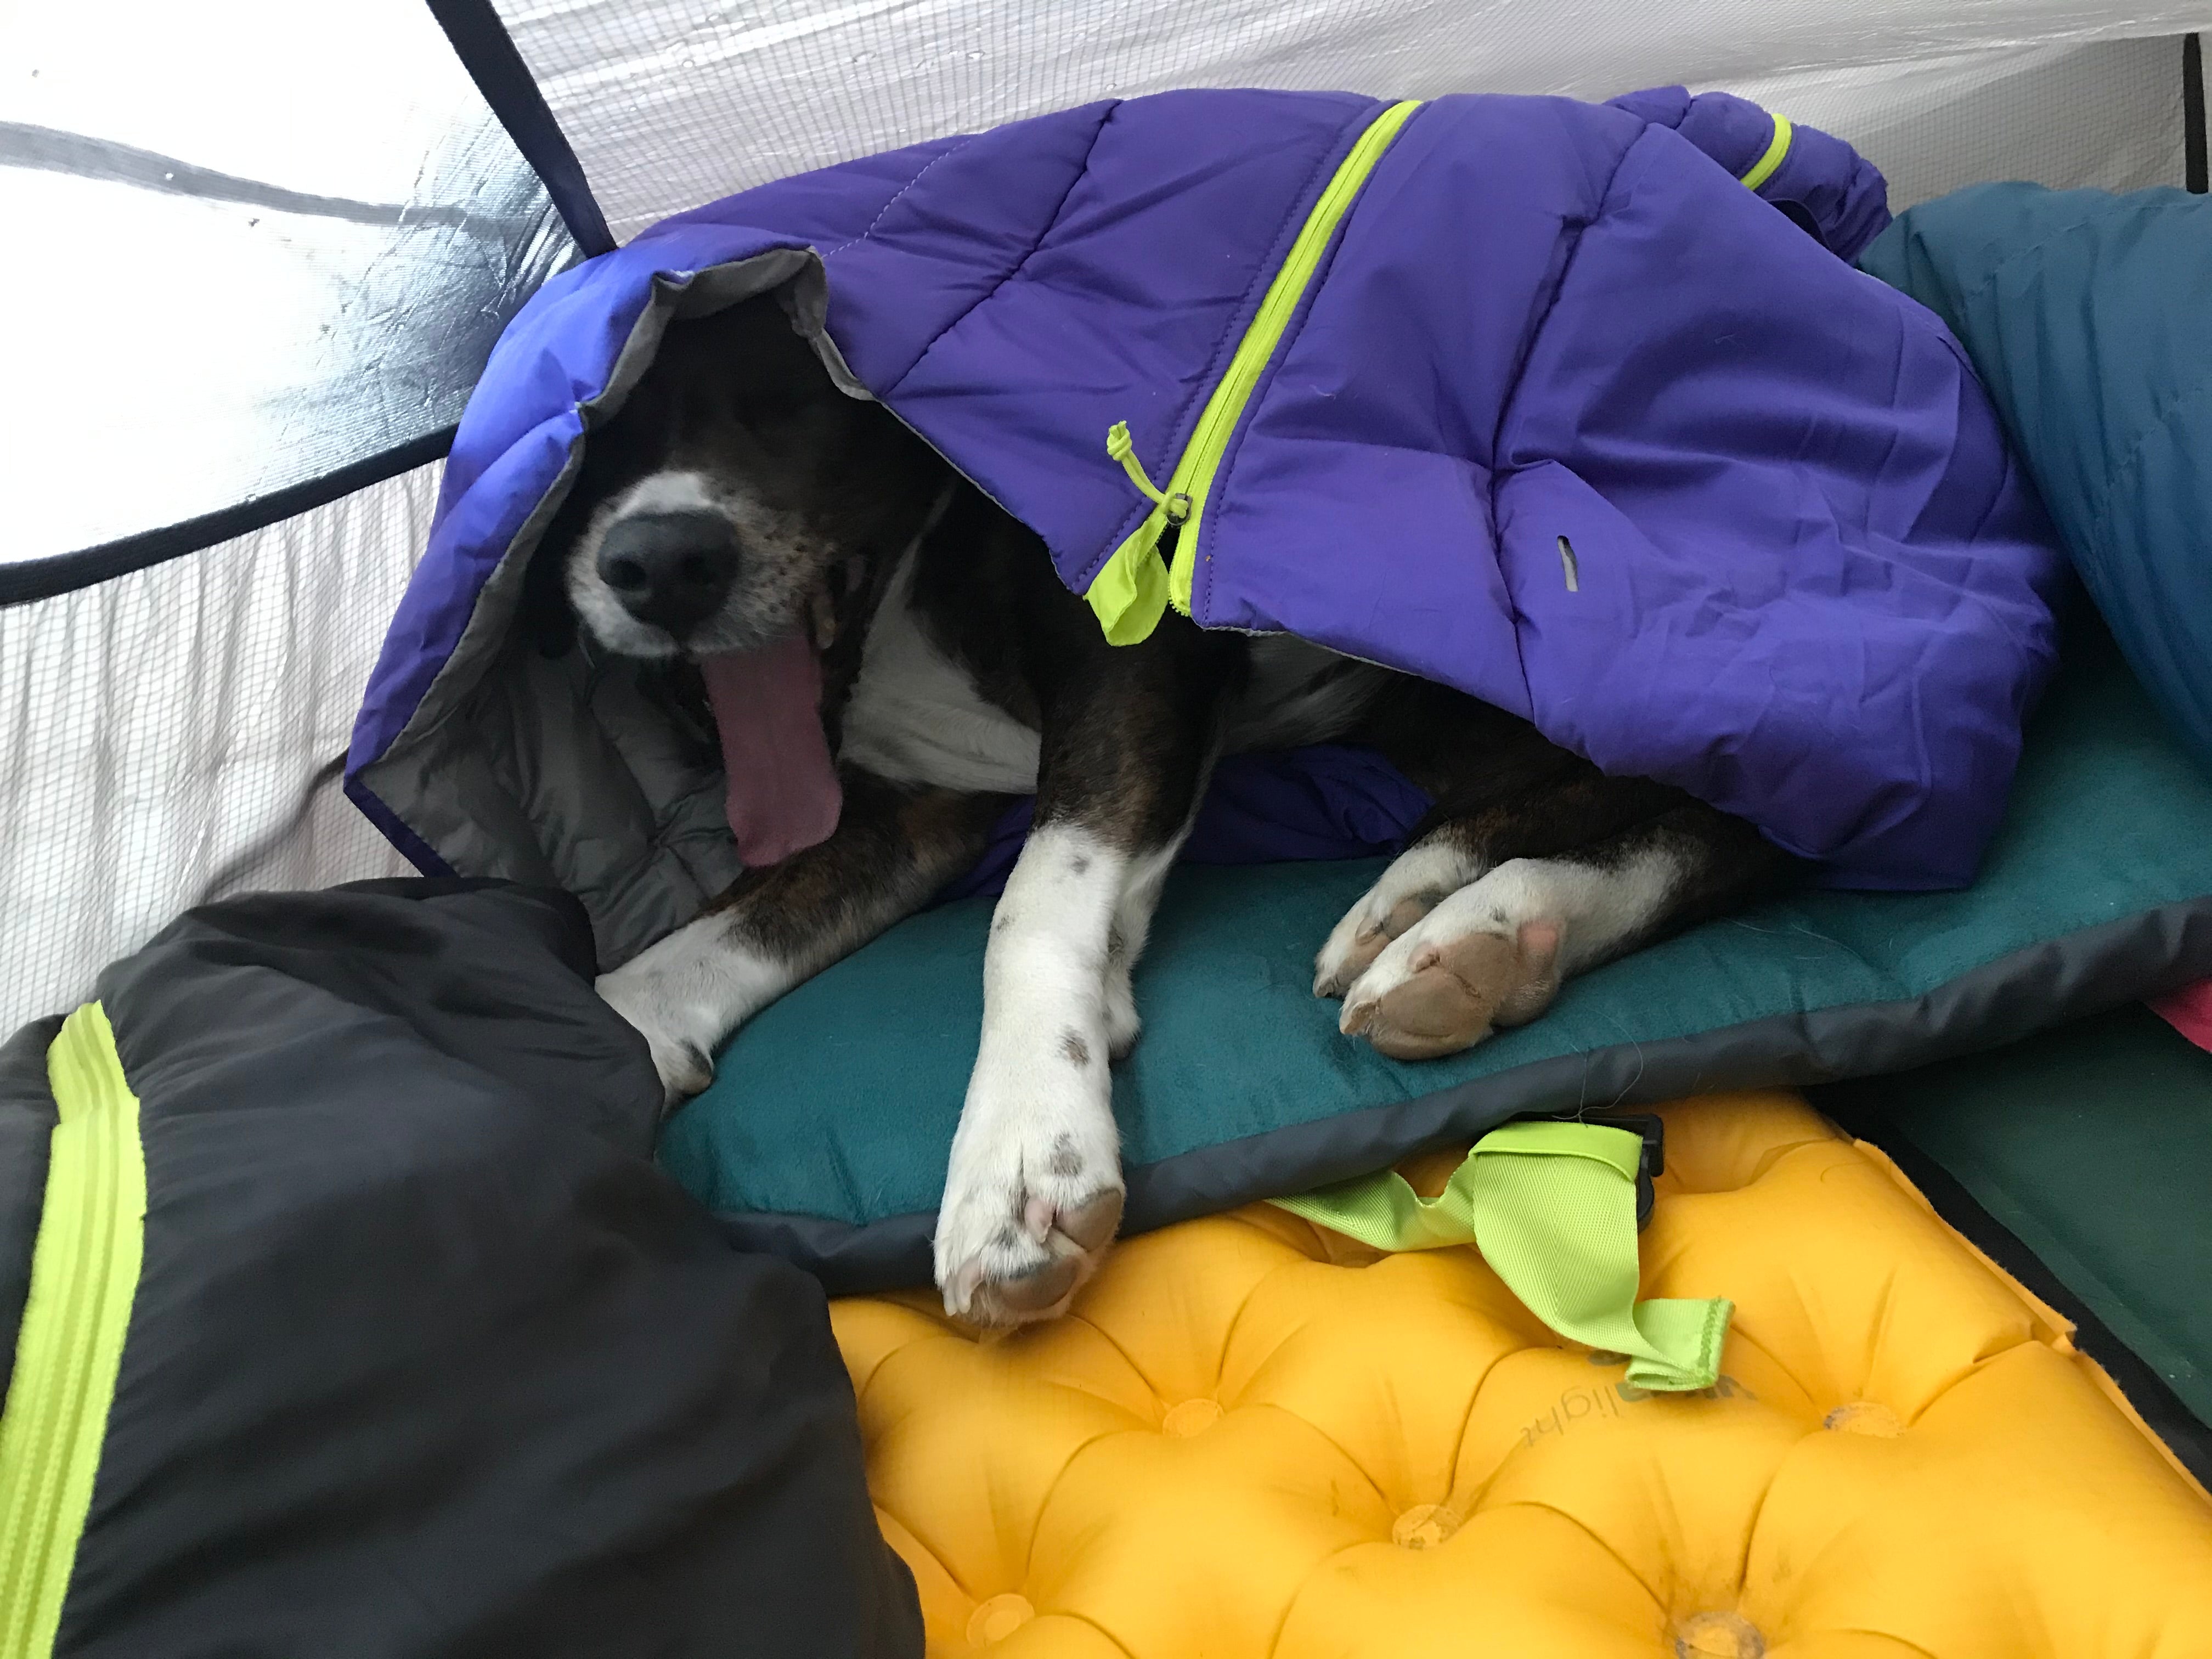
x=671, y=569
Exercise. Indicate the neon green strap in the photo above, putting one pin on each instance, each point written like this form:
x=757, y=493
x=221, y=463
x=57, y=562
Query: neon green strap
x=1776, y=148
x=84, y=1276
x=1553, y=1205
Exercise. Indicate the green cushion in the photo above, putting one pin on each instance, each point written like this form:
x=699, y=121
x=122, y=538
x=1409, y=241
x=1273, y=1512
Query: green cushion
x=2091, y=1145
x=824, y=1135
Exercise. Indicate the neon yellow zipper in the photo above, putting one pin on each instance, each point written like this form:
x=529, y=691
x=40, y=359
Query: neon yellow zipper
x=1131, y=590
x=1772, y=157
x=84, y=1277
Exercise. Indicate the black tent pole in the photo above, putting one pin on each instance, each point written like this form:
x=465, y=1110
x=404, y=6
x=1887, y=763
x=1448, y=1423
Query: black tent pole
x=2192, y=114
x=489, y=53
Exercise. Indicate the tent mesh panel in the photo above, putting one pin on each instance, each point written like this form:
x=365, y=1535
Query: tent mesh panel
x=252, y=243
x=671, y=103
x=159, y=734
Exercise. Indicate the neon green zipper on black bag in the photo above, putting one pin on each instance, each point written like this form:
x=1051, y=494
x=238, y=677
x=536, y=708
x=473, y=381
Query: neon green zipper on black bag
x=1132, y=588
x=84, y=1277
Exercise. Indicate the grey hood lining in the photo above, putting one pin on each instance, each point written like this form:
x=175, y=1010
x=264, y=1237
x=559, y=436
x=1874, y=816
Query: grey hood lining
x=465, y=783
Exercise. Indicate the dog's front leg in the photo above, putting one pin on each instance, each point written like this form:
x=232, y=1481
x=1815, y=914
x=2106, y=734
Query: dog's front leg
x=1033, y=1191
x=1494, y=953
x=895, y=846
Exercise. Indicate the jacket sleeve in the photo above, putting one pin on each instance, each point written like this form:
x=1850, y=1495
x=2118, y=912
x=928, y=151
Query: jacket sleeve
x=1831, y=190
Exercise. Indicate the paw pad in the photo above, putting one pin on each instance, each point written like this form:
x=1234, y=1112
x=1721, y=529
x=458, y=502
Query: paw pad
x=1455, y=991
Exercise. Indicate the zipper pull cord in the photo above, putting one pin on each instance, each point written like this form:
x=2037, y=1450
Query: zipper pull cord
x=1119, y=446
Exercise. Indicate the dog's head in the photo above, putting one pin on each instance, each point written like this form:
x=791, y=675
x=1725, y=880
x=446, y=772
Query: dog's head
x=737, y=513
x=725, y=506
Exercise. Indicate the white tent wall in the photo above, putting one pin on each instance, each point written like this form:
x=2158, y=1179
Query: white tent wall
x=670, y=103
x=160, y=735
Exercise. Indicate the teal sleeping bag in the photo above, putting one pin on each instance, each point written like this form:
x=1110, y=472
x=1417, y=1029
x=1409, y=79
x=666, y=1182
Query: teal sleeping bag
x=2088, y=316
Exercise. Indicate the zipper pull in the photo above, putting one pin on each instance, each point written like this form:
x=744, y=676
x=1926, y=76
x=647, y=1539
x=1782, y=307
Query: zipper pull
x=1119, y=446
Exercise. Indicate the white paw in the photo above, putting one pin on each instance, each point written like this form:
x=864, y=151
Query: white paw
x=689, y=992
x=1470, y=966
x=682, y=1054
x=1417, y=880
x=1033, y=1194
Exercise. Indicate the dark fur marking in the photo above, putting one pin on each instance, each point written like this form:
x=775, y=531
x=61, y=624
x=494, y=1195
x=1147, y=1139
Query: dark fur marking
x=1073, y=1045
x=1066, y=1159
x=1127, y=733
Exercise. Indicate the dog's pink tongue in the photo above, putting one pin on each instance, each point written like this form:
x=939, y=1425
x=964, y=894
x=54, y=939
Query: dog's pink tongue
x=784, y=796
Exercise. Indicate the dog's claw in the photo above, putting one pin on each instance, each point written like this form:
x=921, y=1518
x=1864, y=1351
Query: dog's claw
x=1356, y=942
x=1332, y=978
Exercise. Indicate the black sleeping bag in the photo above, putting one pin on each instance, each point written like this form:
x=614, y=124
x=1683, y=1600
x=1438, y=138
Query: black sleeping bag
x=419, y=1355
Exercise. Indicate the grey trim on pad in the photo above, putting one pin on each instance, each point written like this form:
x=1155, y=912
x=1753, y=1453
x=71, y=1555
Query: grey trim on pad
x=2080, y=974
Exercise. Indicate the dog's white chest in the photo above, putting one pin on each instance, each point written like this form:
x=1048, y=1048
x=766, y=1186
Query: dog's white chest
x=915, y=717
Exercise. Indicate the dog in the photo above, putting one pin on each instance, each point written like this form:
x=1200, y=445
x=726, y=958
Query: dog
x=892, y=660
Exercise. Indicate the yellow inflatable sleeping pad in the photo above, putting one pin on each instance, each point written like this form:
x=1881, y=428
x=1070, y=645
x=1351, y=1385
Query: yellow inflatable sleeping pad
x=1253, y=1439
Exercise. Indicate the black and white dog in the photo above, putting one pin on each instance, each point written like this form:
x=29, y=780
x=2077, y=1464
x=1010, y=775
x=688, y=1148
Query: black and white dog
x=846, y=595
